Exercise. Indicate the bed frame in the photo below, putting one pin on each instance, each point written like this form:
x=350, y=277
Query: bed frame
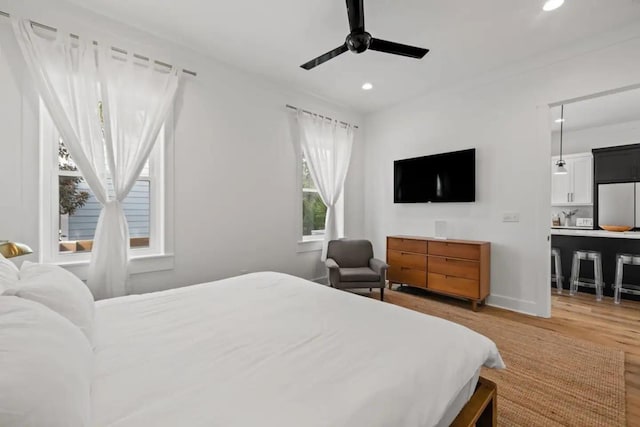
x=482, y=409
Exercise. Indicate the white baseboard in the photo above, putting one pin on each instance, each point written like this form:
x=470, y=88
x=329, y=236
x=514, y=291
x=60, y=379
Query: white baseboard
x=513, y=304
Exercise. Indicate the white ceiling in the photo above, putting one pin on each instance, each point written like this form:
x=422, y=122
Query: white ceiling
x=621, y=107
x=466, y=38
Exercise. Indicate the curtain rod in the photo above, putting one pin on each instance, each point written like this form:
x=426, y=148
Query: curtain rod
x=320, y=115
x=115, y=49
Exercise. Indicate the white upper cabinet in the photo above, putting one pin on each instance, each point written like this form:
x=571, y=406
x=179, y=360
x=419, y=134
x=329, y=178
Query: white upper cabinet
x=576, y=187
x=582, y=179
x=560, y=184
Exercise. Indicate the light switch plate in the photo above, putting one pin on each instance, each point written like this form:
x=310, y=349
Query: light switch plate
x=511, y=217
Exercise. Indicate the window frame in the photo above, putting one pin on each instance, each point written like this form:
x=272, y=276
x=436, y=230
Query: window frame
x=158, y=256
x=308, y=243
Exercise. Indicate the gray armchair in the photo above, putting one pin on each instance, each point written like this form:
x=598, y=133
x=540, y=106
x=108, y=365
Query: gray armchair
x=351, y=265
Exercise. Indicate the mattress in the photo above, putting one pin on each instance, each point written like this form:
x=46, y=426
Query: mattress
x=271, y=349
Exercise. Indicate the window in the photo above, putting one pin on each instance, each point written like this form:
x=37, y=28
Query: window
x=70, y=211
x=314, y=210
x=79, y=210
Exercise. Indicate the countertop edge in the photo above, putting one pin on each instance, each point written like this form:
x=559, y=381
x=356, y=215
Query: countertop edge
x=595, y=233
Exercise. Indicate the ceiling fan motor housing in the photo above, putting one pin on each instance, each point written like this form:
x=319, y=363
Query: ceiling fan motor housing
x=358, y=42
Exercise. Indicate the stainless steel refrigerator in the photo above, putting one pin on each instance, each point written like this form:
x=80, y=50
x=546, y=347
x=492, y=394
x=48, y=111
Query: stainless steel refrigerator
x=618, y=204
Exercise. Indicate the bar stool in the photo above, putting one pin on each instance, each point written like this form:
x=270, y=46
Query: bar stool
x=558, y=278
x=618, y=286
x=576, y=280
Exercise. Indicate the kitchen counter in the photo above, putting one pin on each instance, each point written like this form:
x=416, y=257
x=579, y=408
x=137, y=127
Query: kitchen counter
x=587, y=232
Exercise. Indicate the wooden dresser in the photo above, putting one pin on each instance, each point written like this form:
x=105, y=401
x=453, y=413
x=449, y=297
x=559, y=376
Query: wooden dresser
x=459, y=268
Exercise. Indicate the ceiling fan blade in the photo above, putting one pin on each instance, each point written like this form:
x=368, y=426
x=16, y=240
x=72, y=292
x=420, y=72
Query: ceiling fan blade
x=397, y=48
x=355, y=10
x=324, y=58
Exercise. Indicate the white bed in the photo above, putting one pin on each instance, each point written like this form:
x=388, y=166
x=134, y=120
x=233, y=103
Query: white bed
x=268, y=349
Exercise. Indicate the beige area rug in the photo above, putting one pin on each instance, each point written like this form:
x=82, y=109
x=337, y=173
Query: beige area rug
x=550, y=380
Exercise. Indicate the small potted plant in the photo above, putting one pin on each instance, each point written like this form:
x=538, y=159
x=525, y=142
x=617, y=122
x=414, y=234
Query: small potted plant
x=568, y=215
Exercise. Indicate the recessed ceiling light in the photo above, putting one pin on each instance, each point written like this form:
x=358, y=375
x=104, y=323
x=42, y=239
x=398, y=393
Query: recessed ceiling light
x=552, y=5
x=559, y=120
x=367, y=86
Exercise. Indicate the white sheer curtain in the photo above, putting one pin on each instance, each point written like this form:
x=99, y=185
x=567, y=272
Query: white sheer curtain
x=135, y=100
x=326, y=145
x=73, y=77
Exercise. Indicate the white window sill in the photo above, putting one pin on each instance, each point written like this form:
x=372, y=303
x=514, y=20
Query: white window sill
x=310, y=244
x=137, y=265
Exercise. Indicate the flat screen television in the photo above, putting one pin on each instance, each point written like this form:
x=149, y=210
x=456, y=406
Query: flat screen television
x=440, y=178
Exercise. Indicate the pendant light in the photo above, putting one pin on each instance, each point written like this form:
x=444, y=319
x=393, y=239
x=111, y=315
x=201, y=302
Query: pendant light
x=560, y=164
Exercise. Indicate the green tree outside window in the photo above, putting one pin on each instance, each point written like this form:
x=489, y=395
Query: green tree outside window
x=314, y=210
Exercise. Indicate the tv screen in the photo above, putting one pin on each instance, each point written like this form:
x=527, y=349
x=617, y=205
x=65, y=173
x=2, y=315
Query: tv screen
x=447, y=177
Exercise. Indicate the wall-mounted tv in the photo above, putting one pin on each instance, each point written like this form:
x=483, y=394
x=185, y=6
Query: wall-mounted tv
x=440, y=178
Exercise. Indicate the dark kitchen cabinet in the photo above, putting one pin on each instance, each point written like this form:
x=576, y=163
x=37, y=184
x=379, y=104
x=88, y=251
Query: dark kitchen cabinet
x=617, y=164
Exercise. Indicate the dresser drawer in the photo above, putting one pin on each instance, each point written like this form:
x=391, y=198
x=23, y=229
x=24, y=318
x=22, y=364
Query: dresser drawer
x=407, y=259
x=455, y=250
x=407, y=276
x=454, y=285
x=407, y=245
x=454, y=267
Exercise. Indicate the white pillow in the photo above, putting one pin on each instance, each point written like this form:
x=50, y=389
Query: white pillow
x=8, y=274
x=59, y=290
x=46, y=367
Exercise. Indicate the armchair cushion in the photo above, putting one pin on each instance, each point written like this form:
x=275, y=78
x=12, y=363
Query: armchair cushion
x=359, y=274
x=350, y=253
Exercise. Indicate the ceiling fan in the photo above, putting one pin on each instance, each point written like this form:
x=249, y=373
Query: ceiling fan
x=359, y=40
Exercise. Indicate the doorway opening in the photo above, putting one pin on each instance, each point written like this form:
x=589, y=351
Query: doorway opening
x=595, y=199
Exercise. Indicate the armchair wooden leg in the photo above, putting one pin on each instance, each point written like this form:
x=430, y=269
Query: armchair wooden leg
x=381, y=294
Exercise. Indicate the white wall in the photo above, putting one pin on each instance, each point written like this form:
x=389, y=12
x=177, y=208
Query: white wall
x=235, y=168
x=505, y=115
x=585, y=140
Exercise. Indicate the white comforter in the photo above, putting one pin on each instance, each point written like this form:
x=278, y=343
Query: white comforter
x=268, y=349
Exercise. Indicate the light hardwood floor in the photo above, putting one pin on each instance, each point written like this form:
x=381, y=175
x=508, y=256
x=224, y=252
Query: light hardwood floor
x=581, y=317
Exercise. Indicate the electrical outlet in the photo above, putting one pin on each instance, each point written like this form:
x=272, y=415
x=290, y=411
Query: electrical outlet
x=511, y=217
